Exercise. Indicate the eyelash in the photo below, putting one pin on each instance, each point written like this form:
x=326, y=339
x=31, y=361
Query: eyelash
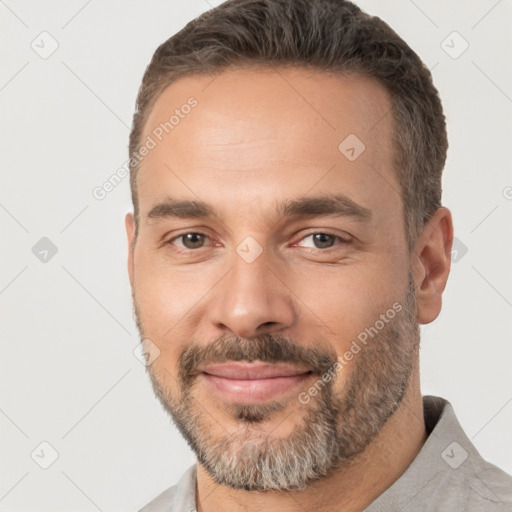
x=342, y=240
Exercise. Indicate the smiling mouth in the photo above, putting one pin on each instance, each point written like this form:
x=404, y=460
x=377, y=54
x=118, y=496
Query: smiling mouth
x=252, y=383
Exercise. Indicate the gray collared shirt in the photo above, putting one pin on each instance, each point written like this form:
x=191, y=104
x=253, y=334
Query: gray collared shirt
x=448, y=474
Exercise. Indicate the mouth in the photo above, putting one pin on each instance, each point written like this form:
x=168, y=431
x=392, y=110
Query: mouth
x=251, y=383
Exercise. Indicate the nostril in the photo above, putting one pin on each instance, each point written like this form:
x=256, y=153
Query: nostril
x=268, y=324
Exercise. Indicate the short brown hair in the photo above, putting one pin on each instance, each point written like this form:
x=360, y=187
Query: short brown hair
x=327, y=35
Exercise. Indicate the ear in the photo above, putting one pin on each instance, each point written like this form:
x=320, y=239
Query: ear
x=432, y=258
x=129, y=222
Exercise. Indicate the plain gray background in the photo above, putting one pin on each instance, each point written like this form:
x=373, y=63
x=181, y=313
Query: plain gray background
x=69, y=376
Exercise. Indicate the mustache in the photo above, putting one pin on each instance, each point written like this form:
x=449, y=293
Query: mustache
x=269, y=348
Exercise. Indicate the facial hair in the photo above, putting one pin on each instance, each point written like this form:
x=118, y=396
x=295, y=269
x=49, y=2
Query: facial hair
x=330, y=431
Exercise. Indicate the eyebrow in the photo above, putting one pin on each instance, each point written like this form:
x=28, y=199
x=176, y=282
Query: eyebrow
x=339, y=205
x=181, y=209
x=304, y=207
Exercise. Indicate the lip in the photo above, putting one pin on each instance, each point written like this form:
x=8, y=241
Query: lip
x=252, y=382
x=252, y=371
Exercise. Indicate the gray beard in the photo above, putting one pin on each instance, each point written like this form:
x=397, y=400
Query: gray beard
x=335, y=428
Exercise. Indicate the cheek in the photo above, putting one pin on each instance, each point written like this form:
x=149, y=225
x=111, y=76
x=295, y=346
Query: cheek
x=170, y=301
x=165, y=294
x=345, y=300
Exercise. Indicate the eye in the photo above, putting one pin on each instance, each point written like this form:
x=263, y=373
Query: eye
x=320, y=240
x=190, y=240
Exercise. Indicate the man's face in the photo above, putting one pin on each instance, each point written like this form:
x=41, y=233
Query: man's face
x=298, y=251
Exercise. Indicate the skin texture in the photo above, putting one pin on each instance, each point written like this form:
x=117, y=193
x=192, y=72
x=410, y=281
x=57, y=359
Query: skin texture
x=259, y=137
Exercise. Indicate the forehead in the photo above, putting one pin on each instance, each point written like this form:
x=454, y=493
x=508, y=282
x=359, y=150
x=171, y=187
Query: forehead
x=283, y=129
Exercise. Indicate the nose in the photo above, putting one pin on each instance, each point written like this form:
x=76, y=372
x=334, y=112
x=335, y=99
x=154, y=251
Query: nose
x=252, y=299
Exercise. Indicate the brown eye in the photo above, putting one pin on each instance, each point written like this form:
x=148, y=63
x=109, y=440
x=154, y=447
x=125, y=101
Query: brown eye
x=192, y=240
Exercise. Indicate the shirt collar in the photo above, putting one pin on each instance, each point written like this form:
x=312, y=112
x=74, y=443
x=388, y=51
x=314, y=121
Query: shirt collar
x=446, y=449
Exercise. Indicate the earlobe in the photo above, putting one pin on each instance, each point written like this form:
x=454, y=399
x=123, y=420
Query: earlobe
x=129, y=222
x=432, y=256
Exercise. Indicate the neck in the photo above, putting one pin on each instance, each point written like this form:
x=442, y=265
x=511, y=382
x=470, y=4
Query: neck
x=352, y=488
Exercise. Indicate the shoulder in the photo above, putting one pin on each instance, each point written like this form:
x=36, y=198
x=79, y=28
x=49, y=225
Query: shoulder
x=179, y=497
x=491, y=486
x=162, y=503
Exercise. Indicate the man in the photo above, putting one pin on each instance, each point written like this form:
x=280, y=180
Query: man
x=287, y=240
